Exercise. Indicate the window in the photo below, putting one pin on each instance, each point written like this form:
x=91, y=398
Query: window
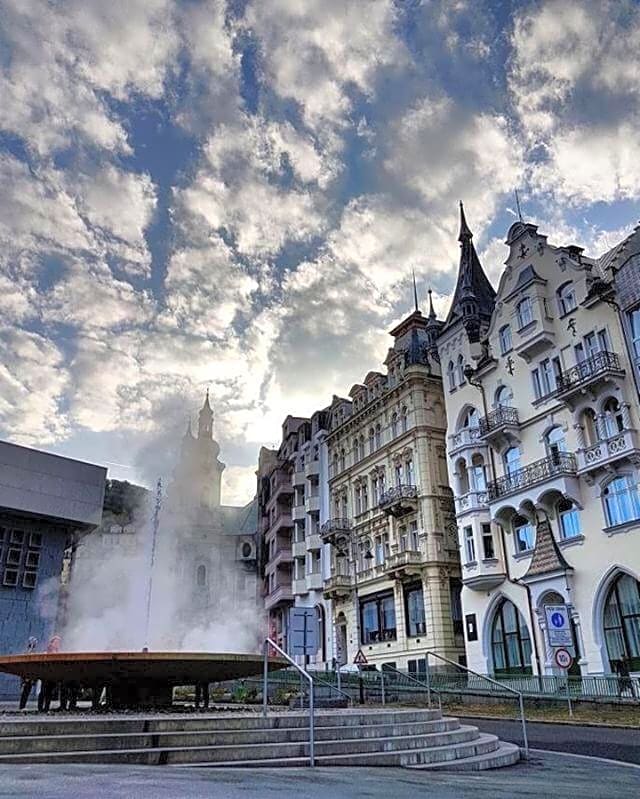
x=414, y=610
x=524, y=312
x=403, y=538
x=613, y=419
x=14, y=556
x=411, y=478
x=355, y=450
x=478, y=476
x=33, y=560
x=379, y=550
x=378, y=436
x=394, y=425
x=374, y=491
x=567, y=298
x=512, y=460
x=523, y=534
x=35, y=540
x=469, y=545
x=357, y=495
x=504, y=336
x=488, y=551
x=10, y=577
x=365, y=498
x=403, y=420
x=460, y=370
x=569, y=519
x=17, y=537
x=556, y=443
x=634, y=324
x=29, y=579
x=471, y=419
x=378, y=619
x=398, y=472
x=451, y=376
x=372, y=441
x=504, y=397
x=342, y=460
x=621, y=500
x=365, y=556
x=622, y=624
x=545, y=377
x=510, y=641
x=381, y=482
x=414, y=537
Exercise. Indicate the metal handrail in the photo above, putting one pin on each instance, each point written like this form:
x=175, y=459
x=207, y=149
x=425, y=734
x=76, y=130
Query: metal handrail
x=556, y=463
x=494, y=682
x=265, y=679
x=418, y=682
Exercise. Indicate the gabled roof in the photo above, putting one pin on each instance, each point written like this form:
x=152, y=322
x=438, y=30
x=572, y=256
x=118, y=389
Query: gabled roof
x=471, y=278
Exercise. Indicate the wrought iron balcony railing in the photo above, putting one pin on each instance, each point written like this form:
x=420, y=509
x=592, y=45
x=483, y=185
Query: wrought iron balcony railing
x=334, y=527
x=536, y=472
x=585, y=371
x=499, y=418
x=397, y=493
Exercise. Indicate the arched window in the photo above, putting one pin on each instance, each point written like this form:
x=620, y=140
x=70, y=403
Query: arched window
x=621, y=500
x=504, y=397
x=372, y=441
x=524, y=312
x=568, y=519
x=463, y=477
x=556, y=443
x=510, y=641
x=471, y=418
x=342, y=460
x=613, y=420
x=355, y=450
x=622, y=625
x=512, y=460
x=403, y=419
x=505, y=339
x=394, y=425
x=409, y=473
x=524, y=534
x=460, y=370
x=201, y=575
x=590, y=426
x=362, y=453
x=378, y=436
x=566, y=298
x=478, y=474
x=451, y=376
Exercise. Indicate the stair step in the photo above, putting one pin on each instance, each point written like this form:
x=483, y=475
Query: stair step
x=507, y=754
x=256, y=751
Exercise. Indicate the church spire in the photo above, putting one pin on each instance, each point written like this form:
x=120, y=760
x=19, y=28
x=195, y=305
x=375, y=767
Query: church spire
x=465, y=233
x=205, y=419
x=432, y=313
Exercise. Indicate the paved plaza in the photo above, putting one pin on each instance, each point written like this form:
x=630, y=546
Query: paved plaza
x=564, y=776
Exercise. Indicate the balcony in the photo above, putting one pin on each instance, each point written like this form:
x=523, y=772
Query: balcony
x=335, y=528
x=557, y=465
x=312, y=468
x=282, y=521
x=621, y=445
x=312, y=503
x=283, y=486
x=467, y=438
x=314, y=581
x=281, y=595
x=299, y=586
x=500, y=427
x=314, y=541
x=472, y=501
x=337, y=586
x=399, y=500
x=280, y=556
x=299, y=478
x=299, y=512
x=404, y=564
x=299, y=549
x=483, y=576
x=587, y=375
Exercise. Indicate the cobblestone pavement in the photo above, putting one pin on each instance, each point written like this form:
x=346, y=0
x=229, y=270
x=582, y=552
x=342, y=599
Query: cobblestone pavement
x=543, y=776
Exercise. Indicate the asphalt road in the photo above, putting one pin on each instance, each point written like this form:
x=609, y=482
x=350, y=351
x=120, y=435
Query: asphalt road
x=616, y=743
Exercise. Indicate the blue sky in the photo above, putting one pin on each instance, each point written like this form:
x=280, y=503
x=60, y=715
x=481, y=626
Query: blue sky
x=233, y=194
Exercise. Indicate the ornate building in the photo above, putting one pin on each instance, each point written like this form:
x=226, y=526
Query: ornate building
x=543, y=453
x=395, y=578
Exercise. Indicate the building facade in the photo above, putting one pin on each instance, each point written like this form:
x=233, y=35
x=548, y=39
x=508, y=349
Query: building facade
x=46, y=503
x=543, y=453
x=293, y=502
x=394, y=579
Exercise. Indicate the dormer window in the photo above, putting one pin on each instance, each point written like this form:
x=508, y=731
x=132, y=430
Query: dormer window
x=567, y=298
x=524, y=312
x=505, y=339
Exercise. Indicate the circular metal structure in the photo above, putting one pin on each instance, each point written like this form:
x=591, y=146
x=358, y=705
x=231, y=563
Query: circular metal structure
x=136, y=678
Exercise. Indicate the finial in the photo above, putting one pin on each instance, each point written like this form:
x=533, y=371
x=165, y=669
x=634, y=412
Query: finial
x=518, y=205
x=465, y=233
x=432, y=313
x=415, y=291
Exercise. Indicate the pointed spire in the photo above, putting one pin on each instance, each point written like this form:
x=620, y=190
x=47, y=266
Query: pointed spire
x=205, y=419
x=415, y=292
x=206, y=400
x=432, y=313
x=465, y=233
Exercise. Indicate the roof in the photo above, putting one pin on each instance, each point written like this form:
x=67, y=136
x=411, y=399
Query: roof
x=471, y=278
x=617, y=255
x=240, y=520
x=547, y=557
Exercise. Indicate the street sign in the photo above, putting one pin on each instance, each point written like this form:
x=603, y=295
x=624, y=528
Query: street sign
x=563, y=658
x=558, y=625
x=360, y=658
x=303, y=627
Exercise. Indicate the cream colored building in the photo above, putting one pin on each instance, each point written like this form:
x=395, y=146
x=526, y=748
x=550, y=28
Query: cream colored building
x=543, y=454
x=394, y=578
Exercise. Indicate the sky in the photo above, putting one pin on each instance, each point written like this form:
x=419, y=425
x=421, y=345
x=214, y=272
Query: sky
x=232, y=195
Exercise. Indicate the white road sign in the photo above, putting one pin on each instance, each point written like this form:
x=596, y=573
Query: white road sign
x=558, y=625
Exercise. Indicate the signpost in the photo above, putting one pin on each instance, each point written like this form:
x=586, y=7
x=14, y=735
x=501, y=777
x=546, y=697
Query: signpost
x=564, y=660
x=303, y=627
x=558, y=626
x=360, y=659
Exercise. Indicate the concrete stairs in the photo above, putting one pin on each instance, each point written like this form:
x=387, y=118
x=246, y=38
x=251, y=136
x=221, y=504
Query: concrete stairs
x=422, y=739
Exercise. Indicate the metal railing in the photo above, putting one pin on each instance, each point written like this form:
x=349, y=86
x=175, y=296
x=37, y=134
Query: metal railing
x=398, y=492
x=335, y=527
x=502, y=415
x=585, y=370
x=412, y=679
x=504, y=687
x=536, y=472
x=265, y=688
